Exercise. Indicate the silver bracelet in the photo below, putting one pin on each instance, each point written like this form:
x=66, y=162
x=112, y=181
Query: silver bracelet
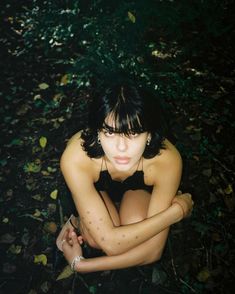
x=75, y=261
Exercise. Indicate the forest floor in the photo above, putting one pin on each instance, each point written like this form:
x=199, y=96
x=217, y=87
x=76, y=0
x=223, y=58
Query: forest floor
x=200, y=252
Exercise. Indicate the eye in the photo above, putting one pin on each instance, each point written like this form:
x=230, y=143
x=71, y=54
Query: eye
x=108, y=133
x=134, y=134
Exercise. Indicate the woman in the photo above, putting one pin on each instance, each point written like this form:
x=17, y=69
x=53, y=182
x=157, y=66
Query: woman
x=123, y=175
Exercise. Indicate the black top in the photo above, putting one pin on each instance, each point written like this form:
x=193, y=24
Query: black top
x=116, y=189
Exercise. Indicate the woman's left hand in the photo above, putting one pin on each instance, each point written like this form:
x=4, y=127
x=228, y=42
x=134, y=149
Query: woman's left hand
x=70, y=246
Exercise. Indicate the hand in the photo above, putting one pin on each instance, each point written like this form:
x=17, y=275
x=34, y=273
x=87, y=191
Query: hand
x=185, y=201
x=70, y=246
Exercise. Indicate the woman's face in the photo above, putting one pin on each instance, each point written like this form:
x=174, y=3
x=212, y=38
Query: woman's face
x=121, y=151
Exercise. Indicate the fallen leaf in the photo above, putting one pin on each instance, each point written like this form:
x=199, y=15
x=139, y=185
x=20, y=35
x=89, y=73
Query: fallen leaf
x=229, y=189
x=64, y=80
x=23, y=109
x=40, y=259
x=50, y=227
x=7, y=238
x=51, y=169
x=5, y=220
x=15, y=249
x=16, y=142
x=54, y=194
x=45, y=173
x=43, y=86
x=36, y=97
x=37, y=213
x=32, y=167
x=158, y=276
x=131, y=17
x=25, y=238
x=67, y=272
x=203, y=275
x=51, y=208
x=58, y=97
x=45, y=287
x=37, y=197
x=43, y=142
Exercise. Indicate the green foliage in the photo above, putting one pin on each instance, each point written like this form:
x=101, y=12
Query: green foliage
x=93, y=38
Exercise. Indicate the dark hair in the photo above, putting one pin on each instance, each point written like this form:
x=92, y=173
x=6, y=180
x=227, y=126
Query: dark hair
x=133, y=109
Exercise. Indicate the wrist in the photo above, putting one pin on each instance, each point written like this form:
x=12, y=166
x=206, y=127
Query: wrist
x=74, y=264
x=180, y=210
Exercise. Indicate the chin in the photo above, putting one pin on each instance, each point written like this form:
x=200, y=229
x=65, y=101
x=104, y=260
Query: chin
x=123, y=167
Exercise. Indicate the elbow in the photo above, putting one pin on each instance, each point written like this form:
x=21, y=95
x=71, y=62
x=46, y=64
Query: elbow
x=110, y=249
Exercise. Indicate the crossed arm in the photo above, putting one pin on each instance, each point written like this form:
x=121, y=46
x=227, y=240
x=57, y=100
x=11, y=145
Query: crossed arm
x=129, y=245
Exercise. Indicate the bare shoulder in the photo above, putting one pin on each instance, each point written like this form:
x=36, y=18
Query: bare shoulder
x=75, y=159
x=166, y=164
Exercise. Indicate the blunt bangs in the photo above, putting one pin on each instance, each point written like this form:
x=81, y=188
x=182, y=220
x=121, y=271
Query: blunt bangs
x=123, y=123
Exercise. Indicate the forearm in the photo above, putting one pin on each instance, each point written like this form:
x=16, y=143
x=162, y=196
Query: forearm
x=145, y=253
x=123, y=238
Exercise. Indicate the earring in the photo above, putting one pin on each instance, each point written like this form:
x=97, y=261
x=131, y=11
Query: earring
x=148, y=141
x=98, y=138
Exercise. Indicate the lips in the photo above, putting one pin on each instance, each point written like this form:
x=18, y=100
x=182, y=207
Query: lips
x=122, y=159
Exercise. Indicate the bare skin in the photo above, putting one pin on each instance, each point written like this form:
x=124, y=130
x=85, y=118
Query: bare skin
x=136, y=234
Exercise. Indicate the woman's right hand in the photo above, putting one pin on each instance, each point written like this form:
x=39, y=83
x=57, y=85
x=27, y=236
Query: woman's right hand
x=185, y=202
x=71, y=246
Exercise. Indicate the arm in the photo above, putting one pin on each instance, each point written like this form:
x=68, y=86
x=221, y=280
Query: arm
x=77, y=170
x=134, y=257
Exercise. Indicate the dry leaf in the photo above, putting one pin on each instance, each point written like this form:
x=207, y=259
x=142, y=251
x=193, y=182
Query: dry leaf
x=50, y=227
x=32, y=167
x=15, y=249
x=64, y=80
x=37, y=213
x=54, y=194
x=5, y=220
x=131, y=17
x=43, y=142
x=67, y=272
x=51, y=169
x=40, y=259
x=58, y=97
x=229, y=189
x=43, y=86
x=203, y=275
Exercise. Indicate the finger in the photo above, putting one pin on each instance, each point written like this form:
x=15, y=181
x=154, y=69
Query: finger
x=74, y=238
x=64, y=244
x=80, y=240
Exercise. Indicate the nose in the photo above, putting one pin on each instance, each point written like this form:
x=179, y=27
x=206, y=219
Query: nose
x=122, y=143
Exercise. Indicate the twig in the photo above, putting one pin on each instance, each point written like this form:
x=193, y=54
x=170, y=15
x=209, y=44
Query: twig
x=141, y=286
x=61, y=214
x=82, y=280
x=215, y=158
x=187, y=285
x=33, y=217
x=172, y=259
x=73, y=284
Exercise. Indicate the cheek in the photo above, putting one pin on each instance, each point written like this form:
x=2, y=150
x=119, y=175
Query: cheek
x=138, y=148
x=107, y=147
